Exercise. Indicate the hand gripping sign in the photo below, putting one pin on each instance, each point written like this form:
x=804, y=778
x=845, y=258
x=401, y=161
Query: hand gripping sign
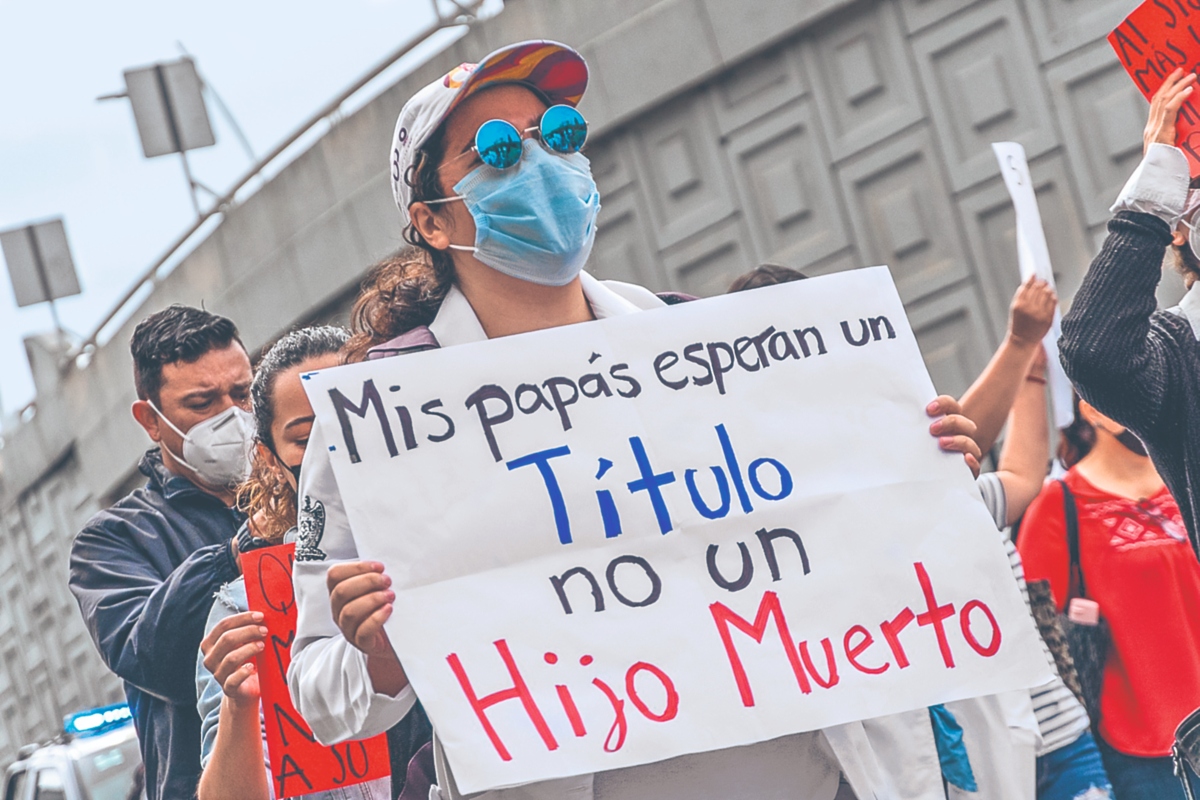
x=673, y=531
x=1159, y=37
x=299, y=764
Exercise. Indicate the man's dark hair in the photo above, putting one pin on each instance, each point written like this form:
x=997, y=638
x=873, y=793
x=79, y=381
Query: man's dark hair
x=765, y=275
x=177, y=333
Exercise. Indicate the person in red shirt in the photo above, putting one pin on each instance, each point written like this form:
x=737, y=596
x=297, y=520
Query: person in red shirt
x=1139, y=568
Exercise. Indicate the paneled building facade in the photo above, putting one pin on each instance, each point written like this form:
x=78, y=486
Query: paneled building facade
x=821, y=134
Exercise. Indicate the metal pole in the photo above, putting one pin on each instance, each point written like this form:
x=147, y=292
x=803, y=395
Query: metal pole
x=187, y=173
x=40, y=266
x=149, y=276
x=173, y=129
x=224, y=109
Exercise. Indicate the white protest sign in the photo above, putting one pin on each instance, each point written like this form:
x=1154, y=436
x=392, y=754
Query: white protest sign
x=673, y=531
x=1033, y=258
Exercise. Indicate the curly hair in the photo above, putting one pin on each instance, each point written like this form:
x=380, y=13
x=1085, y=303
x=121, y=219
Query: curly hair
x=405, y=291
x=266, y=496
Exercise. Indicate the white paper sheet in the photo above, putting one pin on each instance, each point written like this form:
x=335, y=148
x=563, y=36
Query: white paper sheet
x=1033, y=258
x=799, y=499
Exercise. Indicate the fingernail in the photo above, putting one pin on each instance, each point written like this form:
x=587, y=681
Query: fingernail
x=257, y=616
x=932, y=407
x=387, y=581
x=935, y=427
x=946, y=441
x=264, y=631
x=390, y=596
x=261, y=645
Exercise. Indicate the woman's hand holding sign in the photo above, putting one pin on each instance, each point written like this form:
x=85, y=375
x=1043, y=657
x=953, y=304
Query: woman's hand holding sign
x=361, y=601
x=954, y=431
x=1164, y=108
x=229, y=650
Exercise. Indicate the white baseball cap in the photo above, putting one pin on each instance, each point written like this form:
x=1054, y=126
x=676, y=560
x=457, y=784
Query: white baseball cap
x=556, y=71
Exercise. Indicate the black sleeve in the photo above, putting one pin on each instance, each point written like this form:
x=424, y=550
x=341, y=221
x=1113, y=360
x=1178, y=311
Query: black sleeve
x=1117, y=361
x=147, y=629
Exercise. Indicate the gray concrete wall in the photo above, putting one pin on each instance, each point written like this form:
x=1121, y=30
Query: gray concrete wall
x=823, y=134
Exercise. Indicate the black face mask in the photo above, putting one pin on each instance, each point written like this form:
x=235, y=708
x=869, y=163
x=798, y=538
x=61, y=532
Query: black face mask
x=295, y=473
x=1126, y=437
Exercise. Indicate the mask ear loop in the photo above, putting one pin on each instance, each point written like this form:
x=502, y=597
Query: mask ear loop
x=463, y=247
x=181, y=434
x=295, y=471
x=1190, y=207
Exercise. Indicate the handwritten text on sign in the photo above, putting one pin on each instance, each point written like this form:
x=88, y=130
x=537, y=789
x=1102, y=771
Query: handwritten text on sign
x=673, y=531
x=1159, y=37
x=299, y=765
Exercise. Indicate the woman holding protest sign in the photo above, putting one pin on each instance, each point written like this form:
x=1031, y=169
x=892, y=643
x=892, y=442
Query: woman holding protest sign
x=501, y=208
x=232, y=733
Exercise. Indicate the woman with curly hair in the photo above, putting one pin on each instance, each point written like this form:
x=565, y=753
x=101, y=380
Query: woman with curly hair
x=233, y=753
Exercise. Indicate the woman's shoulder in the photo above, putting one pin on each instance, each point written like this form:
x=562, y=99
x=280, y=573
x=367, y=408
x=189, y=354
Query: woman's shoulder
x=639, y=296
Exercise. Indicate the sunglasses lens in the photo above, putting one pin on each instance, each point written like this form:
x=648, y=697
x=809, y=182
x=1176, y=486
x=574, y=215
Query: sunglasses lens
x=498, y=144
x=564, y=130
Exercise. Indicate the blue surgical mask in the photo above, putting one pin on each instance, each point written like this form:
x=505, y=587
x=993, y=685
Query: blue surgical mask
x=536, y=221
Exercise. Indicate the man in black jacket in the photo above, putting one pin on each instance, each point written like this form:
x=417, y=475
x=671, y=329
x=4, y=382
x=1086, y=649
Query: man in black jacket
x=145, y=570
x=1135, y=364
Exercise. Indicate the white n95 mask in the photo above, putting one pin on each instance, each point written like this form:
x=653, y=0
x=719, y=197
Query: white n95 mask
x=216, y=450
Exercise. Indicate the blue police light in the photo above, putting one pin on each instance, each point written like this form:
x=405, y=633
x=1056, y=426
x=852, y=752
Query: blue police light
x=97, y=720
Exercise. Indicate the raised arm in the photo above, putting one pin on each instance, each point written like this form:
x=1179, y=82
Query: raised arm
x=232, y=752
x=147, y=629
x=1025, y=457
x=990, y=398
x=1116, y=359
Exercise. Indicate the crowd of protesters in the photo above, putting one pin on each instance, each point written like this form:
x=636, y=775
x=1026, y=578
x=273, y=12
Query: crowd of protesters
x=500, y=210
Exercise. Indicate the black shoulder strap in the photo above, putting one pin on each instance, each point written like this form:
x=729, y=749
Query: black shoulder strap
x=1071, y=513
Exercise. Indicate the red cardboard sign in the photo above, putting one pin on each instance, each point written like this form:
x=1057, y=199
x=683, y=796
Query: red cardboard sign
x=299, y=764
x=1156, y=39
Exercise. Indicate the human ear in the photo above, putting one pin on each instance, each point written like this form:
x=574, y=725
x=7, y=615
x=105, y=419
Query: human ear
x=433, y=230
x=1180, y=236
x=147, y=417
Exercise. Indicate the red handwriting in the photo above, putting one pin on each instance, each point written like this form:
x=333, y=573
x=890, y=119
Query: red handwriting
x=652, y=693
x=1159, y=37
x=642, y=674
x=857, y=641
x=299, y=764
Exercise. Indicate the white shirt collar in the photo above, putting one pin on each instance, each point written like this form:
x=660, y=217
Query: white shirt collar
x=456, y=322
x=1189, y=307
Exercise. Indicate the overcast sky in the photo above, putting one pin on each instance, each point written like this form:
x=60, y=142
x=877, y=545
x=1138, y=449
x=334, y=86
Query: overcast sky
x=274, y=63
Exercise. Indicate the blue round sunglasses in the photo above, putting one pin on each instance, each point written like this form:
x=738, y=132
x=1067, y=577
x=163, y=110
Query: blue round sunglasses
x=562, y=130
